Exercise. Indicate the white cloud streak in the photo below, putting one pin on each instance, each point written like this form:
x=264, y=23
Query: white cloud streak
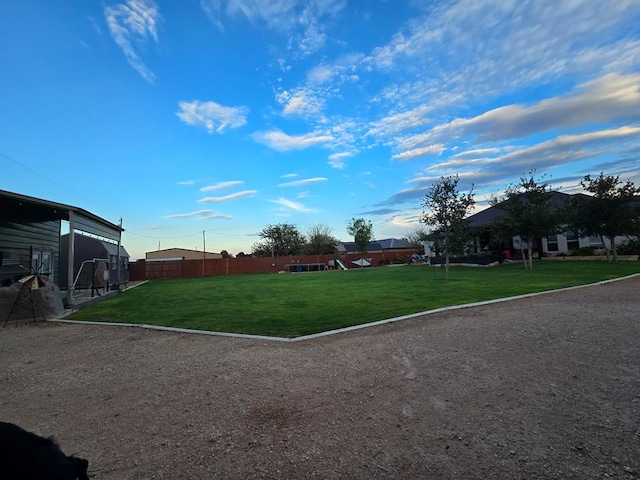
x=296, y=206
x=134, y=22
x=188, y=215
x=227, y=198
x=280, y=141
x=306, y=181
x=221, y=186
x=212, y=116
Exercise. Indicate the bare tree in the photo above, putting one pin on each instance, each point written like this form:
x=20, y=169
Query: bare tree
x=320, y=240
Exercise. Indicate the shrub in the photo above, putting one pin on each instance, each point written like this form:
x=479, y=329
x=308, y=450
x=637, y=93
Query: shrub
x=630, y=248
x=584, y=252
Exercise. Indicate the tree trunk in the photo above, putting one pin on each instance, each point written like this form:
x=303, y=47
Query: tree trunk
x=604, y=245
x=524, y=257
x=614, y=250
x=446, y=265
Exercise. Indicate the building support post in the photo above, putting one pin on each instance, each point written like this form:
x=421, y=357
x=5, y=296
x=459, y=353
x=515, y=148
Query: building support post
x=70, y=261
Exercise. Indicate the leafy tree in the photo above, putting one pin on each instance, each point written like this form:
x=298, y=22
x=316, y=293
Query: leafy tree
x=529, y=213
x=610, y=211
x=279, y=240
x=416, y=236
x=319, y=240
x=448, y=209
x=362, y=232
x=242, y=255
x=226, y=254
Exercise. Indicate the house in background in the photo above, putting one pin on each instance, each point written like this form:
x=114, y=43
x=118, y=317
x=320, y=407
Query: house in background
x=90, y=248
x=388, y=245
x=559, y=244
x=179, y=254
x=30, y=230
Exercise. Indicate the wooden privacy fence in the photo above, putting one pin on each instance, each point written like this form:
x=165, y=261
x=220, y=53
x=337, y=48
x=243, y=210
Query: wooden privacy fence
x=154, y=270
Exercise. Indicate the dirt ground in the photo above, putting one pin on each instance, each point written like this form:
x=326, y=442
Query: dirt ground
x=546, y=387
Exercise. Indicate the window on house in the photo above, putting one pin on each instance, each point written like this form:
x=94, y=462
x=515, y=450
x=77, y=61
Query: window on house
x=42, y=263
x=552, y=243
x=573, y=242
x=595, y=241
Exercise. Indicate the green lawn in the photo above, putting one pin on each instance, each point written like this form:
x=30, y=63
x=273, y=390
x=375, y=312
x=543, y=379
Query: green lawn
x=290, y=305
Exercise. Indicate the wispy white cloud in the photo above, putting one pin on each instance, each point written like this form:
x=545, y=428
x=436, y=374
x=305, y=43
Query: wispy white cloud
x=398, y=122
x=289, y=175
x=200, y=214
x=446, y=59
x=300, y=101
x=435, y=149
x=336, y=160
x=221, y=185
x=188, y=215
x=296, y=206
x=226, y=198
x=212, y=115
x=560, y=150
x=134, y=22
x=477, y=152
x=544, y=156
x=186, y=182
x=94, y=24
x=306, y=181
x=216, y=216
x=280, y=141
x=303, y=23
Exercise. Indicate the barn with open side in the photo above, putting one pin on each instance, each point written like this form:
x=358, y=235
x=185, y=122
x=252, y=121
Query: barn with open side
x=30, y=231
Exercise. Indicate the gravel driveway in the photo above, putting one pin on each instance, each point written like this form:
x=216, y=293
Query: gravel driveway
x=545, y=387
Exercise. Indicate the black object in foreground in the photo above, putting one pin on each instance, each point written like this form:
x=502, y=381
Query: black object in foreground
x=27, y=456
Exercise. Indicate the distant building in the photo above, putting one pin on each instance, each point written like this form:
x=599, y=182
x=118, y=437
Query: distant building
x=179, y=254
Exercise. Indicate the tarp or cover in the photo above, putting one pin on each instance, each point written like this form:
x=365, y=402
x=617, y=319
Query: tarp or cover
x=363, y=262
x=41, y=299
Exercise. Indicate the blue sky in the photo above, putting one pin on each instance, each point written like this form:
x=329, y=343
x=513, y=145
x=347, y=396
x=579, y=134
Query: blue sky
x=229, y=115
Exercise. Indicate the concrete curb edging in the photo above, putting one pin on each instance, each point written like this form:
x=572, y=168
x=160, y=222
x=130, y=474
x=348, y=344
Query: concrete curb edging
x=346, y=329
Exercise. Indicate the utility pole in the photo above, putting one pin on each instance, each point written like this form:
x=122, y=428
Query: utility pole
x=204, y=252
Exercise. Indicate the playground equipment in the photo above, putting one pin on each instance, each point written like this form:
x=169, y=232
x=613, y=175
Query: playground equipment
x=362, y=262
x=417, y=258
x=305, y=267
x=341, y=265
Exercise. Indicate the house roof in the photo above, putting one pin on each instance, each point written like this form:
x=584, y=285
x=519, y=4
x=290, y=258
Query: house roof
x=375, y=246
x=25, y=206
x=487, y=216
x=112, y=249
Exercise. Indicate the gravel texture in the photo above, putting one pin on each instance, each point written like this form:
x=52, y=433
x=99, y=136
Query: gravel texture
x=545, y=387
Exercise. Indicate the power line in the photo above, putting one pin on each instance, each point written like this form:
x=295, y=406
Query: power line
x=32, y=170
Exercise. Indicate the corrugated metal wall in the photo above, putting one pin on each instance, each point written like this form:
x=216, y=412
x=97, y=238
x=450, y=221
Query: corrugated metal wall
x=19, y=240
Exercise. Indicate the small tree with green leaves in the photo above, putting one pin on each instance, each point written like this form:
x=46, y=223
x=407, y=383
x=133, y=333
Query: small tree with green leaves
x=362, y=232
x=529, y=213
x=610, y=211
x=447, y=209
